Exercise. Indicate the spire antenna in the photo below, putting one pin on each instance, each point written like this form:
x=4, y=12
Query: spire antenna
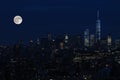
x=98, y=15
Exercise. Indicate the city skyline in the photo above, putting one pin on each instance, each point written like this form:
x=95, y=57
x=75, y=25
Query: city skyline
x=59, y=40
x=97, y=30
x=57, y=17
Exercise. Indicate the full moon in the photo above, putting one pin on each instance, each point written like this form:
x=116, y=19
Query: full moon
x=17, y=19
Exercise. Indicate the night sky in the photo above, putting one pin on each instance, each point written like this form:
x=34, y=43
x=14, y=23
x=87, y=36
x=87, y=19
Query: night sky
x=57, y=17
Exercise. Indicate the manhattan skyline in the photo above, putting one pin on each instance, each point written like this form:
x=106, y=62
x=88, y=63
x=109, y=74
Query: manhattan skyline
x=57, y=17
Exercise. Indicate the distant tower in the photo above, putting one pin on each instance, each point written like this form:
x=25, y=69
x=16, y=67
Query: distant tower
x=98, y=28
x=66, y=38
x=92, y=40
x=86, y=38
x=109, y=40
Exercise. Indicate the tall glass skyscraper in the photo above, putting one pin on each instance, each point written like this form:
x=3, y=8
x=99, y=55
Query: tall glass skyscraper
x=98, y=27
x=86, y=38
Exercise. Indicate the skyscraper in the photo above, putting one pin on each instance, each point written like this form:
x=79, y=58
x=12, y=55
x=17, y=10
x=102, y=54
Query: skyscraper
x=92, y=40
x=109, y=40
x=86, y=38
x=66, y=38
x=98, y=27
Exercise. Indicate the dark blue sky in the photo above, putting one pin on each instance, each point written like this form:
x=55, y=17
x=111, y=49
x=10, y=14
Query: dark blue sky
x=56, y=16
